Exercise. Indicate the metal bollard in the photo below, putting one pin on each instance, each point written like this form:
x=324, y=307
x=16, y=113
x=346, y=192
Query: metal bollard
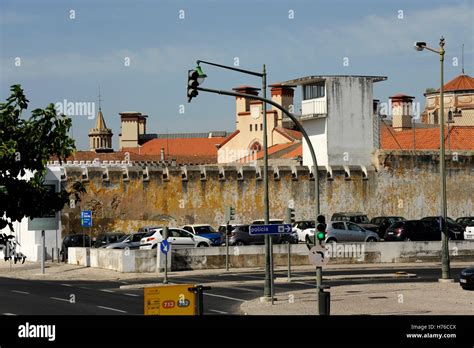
x=324, y=302
x=199, y=291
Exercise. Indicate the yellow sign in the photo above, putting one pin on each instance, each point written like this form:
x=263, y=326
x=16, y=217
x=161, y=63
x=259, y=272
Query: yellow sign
x=170, y=300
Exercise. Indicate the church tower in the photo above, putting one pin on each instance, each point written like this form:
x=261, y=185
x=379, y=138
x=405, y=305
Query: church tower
x=100, y=137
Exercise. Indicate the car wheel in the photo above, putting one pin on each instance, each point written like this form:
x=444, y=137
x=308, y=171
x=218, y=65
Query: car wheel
x=202, y=245
x=239, y=243
x=371, y=240
x=331, y=240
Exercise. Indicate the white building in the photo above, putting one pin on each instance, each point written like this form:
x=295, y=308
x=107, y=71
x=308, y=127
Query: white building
x=30, y=240
x=338, y=114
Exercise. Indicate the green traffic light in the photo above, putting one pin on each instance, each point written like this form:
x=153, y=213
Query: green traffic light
x=321, y=235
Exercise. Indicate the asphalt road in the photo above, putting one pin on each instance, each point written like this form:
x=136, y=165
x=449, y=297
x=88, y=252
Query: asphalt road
x=38, y=297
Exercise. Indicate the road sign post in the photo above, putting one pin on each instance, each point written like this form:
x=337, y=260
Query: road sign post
x=290, y=219
x=164, y=247
x=227, y=231
x=43, y=247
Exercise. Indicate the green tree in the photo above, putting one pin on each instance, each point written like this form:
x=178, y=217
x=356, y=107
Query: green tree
x=25, y=146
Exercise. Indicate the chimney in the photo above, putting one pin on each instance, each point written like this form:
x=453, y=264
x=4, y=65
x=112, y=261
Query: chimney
x=162, y=154
x=243, y=104
x=401, y=109
x=282, y=95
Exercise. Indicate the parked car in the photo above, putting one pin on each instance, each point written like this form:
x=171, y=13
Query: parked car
x=358, y=218
x=384, y=222
x=240, y=236
x=465, y=221
x=304, y=229
x=466, y=278
x=283, y=238
x=206, y=231
x=345, y=231
x=222, y=230
x=107, y=238
x=469, y=233
x=147, y=229
x=455, y=231
x=74, y=240
x=178, y=238
x=130, y=241
x=412, y=230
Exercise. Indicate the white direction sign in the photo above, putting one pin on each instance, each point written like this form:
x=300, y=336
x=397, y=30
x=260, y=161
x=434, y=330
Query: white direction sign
x=319, y=255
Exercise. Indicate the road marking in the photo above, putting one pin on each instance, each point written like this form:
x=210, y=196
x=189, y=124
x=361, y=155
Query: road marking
x=66, y=284
x=112, y=309
x=216, y=311
x=9, y=314
x=134, y=295
x=303, y=283
x=60, y=299
x=227, y=297
x=21, y=292
x=105, y=290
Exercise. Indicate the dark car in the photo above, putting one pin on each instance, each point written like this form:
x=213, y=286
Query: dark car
x=466, y=278
x=384, y=222
x=411, y=230
x=74, y=240
x=455, y=231
x=108, y=238
x=465, y=221
x=358, y=218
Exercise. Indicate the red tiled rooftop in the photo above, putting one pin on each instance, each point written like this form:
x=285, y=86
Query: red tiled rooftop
x=459, y=83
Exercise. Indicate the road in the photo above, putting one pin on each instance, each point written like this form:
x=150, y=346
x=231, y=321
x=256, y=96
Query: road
x=37, y=297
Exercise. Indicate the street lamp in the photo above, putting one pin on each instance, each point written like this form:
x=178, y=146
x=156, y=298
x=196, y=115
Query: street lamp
x=445, y=268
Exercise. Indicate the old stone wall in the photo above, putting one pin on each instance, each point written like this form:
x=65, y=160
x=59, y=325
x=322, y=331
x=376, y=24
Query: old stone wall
x=123, y=198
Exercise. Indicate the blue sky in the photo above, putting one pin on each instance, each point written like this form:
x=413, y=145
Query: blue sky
x=63, y=58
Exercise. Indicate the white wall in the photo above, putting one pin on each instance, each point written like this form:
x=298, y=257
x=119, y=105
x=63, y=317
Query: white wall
x=316, y=129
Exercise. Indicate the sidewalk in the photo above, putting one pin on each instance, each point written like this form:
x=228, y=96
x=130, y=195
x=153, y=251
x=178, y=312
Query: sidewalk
x=421, y=298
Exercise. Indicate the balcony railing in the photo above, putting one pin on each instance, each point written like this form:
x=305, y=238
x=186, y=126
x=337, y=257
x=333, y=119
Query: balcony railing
x=316, y=106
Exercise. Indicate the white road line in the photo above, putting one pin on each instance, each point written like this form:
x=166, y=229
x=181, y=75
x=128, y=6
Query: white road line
x=112, y=309
x=134, y=295
x=9, y=314
x=105, y=290
x=59, y=299
x=309, y=284
x=227, y=297
x=66, y=284
x=216, y=311
x=21, y=292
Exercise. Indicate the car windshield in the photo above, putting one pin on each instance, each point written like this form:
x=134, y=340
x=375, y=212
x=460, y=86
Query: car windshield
x=149, y=234
x=395, y=219
x=121, y=239
x=204, y=229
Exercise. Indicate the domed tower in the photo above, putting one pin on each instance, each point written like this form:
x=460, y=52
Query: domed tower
x=100, y=137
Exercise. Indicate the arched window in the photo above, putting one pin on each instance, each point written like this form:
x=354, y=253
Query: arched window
x=255, y=147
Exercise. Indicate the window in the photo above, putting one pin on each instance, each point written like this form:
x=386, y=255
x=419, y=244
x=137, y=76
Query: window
x=256, y=127
x=204, y=229
x=188, y=228
x=353, y=227
x=338, y=226
x=313, y=91
x=255, y=147
x=261, y=126
x=250, y=127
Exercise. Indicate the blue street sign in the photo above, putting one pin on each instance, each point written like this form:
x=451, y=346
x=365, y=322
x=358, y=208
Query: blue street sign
x=269, y=229
x=86, y=218
x=164, y=246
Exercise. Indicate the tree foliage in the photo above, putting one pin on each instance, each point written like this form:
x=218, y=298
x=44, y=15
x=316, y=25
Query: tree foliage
x=25, y=147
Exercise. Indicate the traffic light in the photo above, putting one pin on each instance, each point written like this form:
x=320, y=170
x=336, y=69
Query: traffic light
x=229, y=214
x=195, y=78
x=321, y=228
x=290, y=216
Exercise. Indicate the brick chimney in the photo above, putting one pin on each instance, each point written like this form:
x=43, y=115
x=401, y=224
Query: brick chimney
x=402, y=106
x=243, y=104
x=282, y=95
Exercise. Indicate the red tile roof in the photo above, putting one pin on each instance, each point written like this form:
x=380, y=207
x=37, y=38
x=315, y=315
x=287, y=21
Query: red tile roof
x=226, y=140
x=461, y=138
x=289, y=133
x=286, y=151
x=459, y=83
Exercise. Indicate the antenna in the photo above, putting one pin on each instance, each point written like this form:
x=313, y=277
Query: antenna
x=462, y=59
x=100, y=100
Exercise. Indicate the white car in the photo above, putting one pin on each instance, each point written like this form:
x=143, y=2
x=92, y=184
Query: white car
x=304, y=229
x=178, y=238
x=469, y=233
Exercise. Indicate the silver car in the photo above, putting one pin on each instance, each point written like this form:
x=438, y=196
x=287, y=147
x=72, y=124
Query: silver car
x=344, y=231
x=131, y=241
